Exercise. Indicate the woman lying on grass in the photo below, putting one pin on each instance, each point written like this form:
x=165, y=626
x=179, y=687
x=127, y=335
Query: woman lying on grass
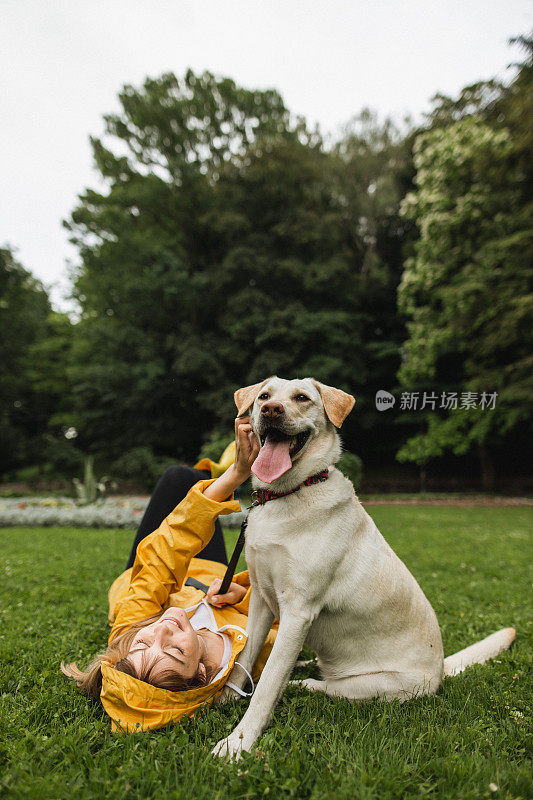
x=171, y=646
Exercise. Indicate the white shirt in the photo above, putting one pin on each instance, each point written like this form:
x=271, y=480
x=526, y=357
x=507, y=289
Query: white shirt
x=203, y=617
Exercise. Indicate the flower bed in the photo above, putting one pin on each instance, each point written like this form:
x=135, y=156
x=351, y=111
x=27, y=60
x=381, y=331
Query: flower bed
x=112, y=512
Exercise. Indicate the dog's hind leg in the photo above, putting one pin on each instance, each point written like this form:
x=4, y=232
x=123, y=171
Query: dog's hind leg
x=385, y=685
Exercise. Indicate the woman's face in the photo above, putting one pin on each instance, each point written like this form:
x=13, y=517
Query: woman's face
x=170, y=643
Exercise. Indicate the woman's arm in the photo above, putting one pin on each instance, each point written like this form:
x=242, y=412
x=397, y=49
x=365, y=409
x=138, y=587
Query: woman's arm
x=163, y=557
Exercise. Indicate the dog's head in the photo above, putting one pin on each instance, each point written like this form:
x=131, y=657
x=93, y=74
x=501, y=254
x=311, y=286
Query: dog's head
x=296, y=422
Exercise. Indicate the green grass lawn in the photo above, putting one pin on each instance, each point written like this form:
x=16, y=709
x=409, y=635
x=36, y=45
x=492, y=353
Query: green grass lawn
x=473, y=564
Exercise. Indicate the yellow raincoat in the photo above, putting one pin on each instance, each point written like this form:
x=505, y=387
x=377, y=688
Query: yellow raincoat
x=164, y=560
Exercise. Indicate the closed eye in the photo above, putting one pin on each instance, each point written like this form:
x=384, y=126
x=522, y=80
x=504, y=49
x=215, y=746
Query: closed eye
x=173, y=647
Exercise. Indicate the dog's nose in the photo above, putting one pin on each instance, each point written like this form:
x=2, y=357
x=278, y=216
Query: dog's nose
x=272, y=409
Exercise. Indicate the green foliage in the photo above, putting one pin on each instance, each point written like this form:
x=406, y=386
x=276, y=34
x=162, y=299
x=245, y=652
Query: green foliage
x=50, y=363
x=215, y=443
x=373, y=170
x=473, y=565
x=147, y=344
x=34, y=355
x=141, y=465
x=351, y=465
x=24, y=309
x=225, y=252
x=292, y=298
x=468, y=289
x=62, y=456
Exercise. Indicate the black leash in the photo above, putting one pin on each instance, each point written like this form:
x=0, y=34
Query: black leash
x=230, y=572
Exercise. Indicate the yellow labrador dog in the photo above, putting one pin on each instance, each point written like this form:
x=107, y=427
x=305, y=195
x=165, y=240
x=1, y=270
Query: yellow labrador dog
x=320, y=566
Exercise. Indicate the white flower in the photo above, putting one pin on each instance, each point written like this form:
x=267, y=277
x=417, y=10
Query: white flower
x=113, y=512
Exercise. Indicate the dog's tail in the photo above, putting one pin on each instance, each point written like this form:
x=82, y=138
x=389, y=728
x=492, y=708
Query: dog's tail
x=479, y=652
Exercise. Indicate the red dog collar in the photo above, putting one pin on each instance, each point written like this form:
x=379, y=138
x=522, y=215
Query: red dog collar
x=262, y=496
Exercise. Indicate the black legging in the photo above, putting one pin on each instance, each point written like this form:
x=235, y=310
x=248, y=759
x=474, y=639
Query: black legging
x=170, y=490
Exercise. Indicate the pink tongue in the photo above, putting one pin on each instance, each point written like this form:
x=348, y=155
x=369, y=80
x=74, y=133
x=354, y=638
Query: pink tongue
x=273, y=461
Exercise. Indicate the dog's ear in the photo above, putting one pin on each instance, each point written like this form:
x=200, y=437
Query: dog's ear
x=337, y=404
x=245, y=397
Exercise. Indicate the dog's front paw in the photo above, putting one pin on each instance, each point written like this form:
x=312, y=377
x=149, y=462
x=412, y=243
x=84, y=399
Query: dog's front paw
x=232, y=747
x=227, y=694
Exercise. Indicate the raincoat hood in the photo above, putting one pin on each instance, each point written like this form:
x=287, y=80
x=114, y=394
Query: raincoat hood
x=134, y=705
x=216, y=468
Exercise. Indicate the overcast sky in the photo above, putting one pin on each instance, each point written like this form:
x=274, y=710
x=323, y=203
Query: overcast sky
x=62, y=63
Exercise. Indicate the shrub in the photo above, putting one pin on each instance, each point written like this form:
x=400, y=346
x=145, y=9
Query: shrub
x=62, y=456
x=141, y=465
x=351, y=466
x=215, y=443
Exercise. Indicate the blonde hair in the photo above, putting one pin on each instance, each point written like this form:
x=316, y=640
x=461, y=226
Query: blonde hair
x=89, y=681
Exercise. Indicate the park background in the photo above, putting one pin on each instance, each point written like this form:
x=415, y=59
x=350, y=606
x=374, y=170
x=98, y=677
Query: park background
x=226, y=239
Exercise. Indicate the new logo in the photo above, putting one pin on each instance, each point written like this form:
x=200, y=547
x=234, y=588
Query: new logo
x=384, y=400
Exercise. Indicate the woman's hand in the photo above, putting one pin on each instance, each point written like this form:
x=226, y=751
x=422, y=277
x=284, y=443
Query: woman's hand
x=234, y=594
x=246, y=451
x=246, y=447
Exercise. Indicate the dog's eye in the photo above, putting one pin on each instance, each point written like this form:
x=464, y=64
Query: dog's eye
x=263, y=396
x=301, y=398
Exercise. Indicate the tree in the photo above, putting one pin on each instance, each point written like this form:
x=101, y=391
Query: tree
x=312, y=260
x=467, y=291
x=24, y=308
x=229, y=245
x=146, y=344
x=288, y=271
x=373, y=170
x=50, y=360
